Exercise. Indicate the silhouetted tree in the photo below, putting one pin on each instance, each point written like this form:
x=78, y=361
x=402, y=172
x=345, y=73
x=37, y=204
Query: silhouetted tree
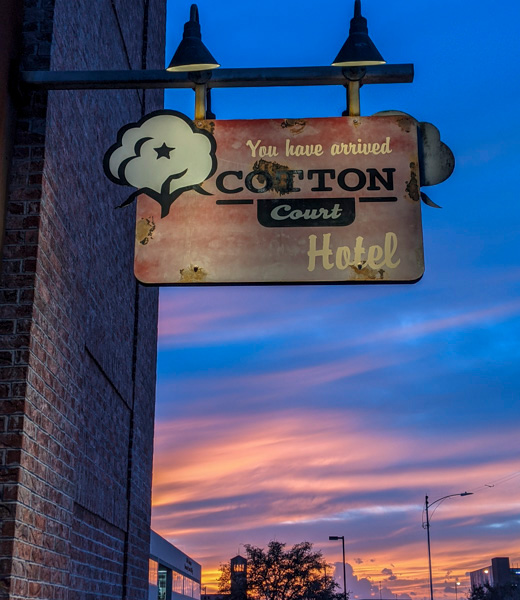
x=495, y=592
x=299, y=573
x=224, y=581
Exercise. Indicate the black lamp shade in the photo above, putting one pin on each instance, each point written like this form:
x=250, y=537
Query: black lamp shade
x=359, y=50
x=192, y=54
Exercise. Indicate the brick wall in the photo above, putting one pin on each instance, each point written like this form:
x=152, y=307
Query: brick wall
x=78, y=334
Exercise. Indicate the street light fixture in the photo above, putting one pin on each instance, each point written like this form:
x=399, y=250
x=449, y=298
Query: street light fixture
x=457, y=583
x=342, y=538
x=357, y=53
x=193, y=66
x=192, y=54
x=359, y=50
x=427, y=506
x=194, y=58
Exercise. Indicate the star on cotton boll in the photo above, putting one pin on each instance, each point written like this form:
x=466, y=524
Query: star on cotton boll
x=163, y=151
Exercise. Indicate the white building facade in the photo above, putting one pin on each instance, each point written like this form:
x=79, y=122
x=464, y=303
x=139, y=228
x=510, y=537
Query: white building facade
x=173, y=575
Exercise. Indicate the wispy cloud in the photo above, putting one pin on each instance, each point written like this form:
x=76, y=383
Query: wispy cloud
x=423, y=326
x=284, y=450
x=311, y=470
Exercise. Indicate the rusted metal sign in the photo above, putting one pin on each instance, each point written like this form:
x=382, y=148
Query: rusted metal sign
x=273, y=201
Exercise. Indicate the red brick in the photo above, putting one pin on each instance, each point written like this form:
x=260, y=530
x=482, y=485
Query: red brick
x=66, y=274
x=7, y=326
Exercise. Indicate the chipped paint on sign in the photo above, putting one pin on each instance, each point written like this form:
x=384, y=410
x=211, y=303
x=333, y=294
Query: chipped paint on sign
x=192, y=274
x=412, y=186
x=293, y=201
x=144, y=230
x=294, y=125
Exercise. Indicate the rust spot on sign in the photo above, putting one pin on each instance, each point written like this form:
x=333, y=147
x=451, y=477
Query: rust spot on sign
x=207, y=125
x=144, y=230
x=294, y=125
x=362, y=272
x=412, y=186
x=192, y=274
x=282, y=181
x=406, y=123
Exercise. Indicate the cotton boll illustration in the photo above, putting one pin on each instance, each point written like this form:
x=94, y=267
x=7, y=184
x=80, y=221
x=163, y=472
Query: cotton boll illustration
x=163, y=155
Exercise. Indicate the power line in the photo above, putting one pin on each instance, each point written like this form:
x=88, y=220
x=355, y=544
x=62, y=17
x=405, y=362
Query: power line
x=491, y=484
x=498, y=481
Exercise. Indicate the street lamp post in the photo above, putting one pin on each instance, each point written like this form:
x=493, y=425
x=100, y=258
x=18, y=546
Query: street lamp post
x=457, y=583
x=427, y=506
x=342, y=538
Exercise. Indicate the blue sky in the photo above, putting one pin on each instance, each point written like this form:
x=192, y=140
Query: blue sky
x=301, y=412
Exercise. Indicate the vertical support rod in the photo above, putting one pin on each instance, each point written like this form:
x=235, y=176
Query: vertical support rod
x=429, y=549
x=200, y=102
x=209, y=113
x=353, y=102
x=344, y=569
x=345, y=113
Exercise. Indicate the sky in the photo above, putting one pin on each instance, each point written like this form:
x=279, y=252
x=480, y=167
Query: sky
x=298, y=412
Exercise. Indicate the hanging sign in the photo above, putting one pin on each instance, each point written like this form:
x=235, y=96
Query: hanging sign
x=324, y=200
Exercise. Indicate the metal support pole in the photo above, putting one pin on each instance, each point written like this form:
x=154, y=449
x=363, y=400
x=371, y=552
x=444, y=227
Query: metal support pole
x=220, y=78
x=344, y=569
x=342, y=538
x=200, y=102
x=355, y=77
x=427, y=506
x=354, y=109
x=429, y=550
x=209, y=113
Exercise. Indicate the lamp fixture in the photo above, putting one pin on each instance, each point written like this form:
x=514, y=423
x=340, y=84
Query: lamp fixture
x=359, y=50
x=194, y=67
x=192, y=54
